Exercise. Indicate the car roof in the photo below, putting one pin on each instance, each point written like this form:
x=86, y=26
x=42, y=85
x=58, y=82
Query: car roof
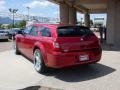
x=58, y=25
x=54, y=27
x=48, y=25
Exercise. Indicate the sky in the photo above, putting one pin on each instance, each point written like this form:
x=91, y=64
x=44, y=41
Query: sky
x=37, y=7
x=41, y=8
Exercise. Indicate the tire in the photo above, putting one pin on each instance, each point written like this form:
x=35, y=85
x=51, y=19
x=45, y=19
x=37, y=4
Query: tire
x=17, y=52
x=39, y=64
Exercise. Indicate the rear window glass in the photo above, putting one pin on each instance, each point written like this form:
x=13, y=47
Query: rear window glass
x=73, y=31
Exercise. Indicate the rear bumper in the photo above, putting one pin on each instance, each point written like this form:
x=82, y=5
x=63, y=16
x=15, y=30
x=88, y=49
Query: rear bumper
x=60, y=60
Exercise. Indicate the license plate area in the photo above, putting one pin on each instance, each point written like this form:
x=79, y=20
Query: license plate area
x=83, y=58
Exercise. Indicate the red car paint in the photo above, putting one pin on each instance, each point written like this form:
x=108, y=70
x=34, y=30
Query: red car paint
x=60, y=51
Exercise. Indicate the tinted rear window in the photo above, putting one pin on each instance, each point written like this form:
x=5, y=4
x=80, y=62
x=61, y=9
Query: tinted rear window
x=73, y=31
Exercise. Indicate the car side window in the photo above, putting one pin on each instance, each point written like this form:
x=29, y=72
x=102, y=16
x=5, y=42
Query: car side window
x=44, y=31
x=27, y=30
x=33, y=31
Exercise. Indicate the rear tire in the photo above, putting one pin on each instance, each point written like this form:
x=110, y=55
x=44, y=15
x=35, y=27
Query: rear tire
x=39, y=64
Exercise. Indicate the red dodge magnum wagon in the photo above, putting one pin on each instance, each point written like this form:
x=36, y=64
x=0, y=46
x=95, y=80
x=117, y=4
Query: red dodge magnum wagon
x=57, y=46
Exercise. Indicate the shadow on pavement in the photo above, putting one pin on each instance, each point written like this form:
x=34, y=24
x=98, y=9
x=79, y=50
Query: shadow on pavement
x=39, y=88
x=31, y=88
x=81, y=73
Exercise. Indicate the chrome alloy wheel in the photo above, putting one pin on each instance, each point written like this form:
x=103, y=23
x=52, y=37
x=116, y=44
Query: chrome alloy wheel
x=37, y=61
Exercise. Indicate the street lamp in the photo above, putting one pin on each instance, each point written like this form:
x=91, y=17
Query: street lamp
x=28, y=8
x=13, y=11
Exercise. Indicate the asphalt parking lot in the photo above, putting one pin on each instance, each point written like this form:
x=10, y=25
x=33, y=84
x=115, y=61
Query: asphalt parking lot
x=6, y=45
x=17, y=73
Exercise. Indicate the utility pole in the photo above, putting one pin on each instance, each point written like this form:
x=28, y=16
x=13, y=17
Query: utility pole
x=28, y=8
x=13, y=11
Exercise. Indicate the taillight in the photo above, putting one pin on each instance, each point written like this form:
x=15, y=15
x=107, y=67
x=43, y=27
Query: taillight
x=56, y=45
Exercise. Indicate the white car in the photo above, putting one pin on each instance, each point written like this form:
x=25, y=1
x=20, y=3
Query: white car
x=4, y=35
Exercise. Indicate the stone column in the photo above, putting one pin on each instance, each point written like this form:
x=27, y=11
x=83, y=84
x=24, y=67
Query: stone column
x=64, y=13
x=72, y=16
x=113, y=23
x=87, y=19
x=117, y=24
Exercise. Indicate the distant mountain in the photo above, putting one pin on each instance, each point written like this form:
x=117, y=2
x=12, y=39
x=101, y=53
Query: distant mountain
x=7, y=20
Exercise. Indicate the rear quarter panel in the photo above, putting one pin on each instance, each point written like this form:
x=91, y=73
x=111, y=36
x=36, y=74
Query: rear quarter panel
x=45, y=45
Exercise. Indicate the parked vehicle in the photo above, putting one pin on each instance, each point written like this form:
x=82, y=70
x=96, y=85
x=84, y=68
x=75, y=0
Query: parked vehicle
x=12, y=33
x=58, y=46
x=3, y=35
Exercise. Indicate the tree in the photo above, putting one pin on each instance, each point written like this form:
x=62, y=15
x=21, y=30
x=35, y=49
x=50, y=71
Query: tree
x=16, y=25
x=9, y=26
x=22, y=24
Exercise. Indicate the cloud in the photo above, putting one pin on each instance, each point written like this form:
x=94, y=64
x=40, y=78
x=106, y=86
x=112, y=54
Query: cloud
x=33, y=14
x=2, y=5
x=39, y=3
x=56, y=12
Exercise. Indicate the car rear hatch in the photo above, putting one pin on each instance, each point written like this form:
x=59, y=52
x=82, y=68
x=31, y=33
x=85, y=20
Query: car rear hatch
x=76, y=38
